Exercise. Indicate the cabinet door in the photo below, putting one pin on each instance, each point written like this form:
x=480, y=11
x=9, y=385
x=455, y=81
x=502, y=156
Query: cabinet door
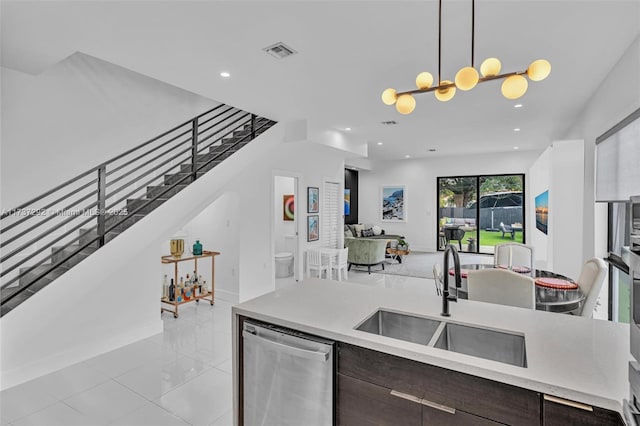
x=561, y=412
x=363, y=404
x=434, y=417
x=481, y=397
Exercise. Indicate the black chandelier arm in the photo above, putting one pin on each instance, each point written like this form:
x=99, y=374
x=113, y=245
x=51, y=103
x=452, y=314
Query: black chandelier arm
x=446, y=86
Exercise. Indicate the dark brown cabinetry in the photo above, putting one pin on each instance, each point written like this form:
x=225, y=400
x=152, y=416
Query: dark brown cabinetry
x=441, y=396
x=561, y=412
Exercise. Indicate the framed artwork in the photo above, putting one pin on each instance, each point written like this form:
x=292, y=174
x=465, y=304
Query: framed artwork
x=347, y=201
x=542, y=211
x=313, y=228
x=313, y=197
x=288, y=207
x=393, y=203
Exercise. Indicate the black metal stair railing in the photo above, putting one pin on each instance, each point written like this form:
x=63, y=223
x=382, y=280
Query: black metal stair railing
x=42, y=238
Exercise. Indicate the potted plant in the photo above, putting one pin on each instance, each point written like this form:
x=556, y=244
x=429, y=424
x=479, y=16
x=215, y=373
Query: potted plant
x=402, y=245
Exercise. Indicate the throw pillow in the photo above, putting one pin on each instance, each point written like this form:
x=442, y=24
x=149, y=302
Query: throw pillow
x=353, y=230
x=377, y=230
x=367, y=232
x=358, y=228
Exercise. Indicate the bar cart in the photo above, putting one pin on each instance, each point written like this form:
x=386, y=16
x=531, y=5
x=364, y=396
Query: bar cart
x=209, y=295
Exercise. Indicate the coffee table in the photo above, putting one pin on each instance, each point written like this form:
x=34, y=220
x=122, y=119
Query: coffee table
x=397, y=254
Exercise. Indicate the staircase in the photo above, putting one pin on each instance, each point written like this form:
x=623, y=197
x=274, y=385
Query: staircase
x=50, y=234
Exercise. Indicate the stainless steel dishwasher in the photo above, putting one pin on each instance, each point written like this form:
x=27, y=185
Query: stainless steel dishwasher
x=287, y=377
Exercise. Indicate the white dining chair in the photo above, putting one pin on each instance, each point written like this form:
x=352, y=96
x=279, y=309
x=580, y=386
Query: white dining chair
x=437, y=277
x=592, y=277
x=502, y=287
x=514, y=254
x=315, y=263
x=342, y=265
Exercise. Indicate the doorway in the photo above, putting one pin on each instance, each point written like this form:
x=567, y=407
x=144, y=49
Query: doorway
x=285, y=230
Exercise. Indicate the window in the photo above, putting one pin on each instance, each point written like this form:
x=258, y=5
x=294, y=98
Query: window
x=477, y=212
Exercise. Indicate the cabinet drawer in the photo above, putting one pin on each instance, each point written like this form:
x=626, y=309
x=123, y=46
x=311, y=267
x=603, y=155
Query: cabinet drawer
x=559, y=412
x=485, y=398
x=361, y=403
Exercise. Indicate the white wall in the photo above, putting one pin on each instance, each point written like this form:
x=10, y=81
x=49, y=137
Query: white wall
x=420, y=177
x=539, y=182
x=283, y=185
x=77, y=114
x=616, y=98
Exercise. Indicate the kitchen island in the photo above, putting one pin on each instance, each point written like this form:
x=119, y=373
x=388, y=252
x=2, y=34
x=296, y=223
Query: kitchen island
x=567, y=357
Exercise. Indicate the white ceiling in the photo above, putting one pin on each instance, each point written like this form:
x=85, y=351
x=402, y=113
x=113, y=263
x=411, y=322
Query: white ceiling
x=349, y=51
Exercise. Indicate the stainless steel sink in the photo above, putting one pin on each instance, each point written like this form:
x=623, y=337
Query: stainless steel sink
x=480, y=342
x=409, y=328
x=483, y=343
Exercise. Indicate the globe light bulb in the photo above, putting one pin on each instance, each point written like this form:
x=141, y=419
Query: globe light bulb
x=405, y=104
x=424, y=80
x=539, y=70
x=389, y=96
x=490, y=67
x=467, y=78
x=445, y=94
x=514, y=87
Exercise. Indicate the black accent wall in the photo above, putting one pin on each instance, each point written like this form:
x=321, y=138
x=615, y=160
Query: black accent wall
x=351, y=182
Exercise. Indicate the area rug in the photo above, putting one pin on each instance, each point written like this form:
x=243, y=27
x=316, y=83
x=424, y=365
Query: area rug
x=420, y=264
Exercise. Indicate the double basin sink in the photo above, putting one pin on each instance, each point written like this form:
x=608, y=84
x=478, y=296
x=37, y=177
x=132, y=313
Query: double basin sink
x=494, y=345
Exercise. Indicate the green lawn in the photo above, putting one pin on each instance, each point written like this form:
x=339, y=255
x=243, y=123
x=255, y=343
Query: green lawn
x=492, y=238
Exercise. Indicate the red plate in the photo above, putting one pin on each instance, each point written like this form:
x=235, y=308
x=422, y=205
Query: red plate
x=556, y=283
x=463, y=272
x=518, y=269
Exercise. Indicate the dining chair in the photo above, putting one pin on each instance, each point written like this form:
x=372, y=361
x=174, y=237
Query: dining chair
x=437, y=277
x=514, y=254
x=315, y=263
x=590, y=281
x=502, y=287
x=342, y=265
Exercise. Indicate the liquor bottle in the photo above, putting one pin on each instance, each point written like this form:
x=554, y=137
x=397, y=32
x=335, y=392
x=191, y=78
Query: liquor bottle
x=197, y=248
x=165, y=287
x=181, y=283
x=194, y=278
x=187, y=280
x=172, y=291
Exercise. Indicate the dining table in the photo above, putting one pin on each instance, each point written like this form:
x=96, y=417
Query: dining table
x=554, y=292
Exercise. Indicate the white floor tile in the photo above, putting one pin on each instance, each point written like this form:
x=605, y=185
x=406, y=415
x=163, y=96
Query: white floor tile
x=72, y=380
x=149, y=415
x=106, y=402
x=121, y=360
x=157, y=378
x=59, y=414
x=201, y=400
x=225, y=366
x=225, y=420
x=22, y=400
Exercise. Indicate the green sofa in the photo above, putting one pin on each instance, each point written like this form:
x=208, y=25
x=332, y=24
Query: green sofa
x=366, y=251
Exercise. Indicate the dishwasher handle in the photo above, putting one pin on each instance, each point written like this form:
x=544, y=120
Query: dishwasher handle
x=291, y=350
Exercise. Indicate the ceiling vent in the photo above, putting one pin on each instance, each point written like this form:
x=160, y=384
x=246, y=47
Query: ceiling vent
x=279, y=50
x=389, y=123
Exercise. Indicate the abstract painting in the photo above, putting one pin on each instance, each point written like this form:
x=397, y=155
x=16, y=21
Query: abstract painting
x=542, y=211
x=313, y=228
x=347, y=202
x=288, y=207
x=313, y=200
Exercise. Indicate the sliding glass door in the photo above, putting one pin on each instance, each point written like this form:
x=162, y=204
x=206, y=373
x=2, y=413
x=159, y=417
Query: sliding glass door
x=477, y=226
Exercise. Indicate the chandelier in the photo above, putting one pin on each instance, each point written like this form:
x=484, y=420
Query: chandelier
x=513, y=87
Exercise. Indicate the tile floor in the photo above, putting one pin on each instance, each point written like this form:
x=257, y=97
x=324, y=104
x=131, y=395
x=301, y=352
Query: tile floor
x=179, y=377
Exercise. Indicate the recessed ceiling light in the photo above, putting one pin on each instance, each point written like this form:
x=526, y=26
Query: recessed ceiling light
x=517, y=129
x=225, y=74
x=517, y=106
x=348, y=129
x=379, y=143
x=516, y=148
x=407, y=156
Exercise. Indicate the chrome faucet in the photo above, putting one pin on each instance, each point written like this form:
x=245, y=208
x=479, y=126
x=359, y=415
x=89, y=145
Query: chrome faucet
x=446, y=298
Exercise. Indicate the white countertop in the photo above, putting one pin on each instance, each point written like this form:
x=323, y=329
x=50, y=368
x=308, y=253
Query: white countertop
x=570, y=357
